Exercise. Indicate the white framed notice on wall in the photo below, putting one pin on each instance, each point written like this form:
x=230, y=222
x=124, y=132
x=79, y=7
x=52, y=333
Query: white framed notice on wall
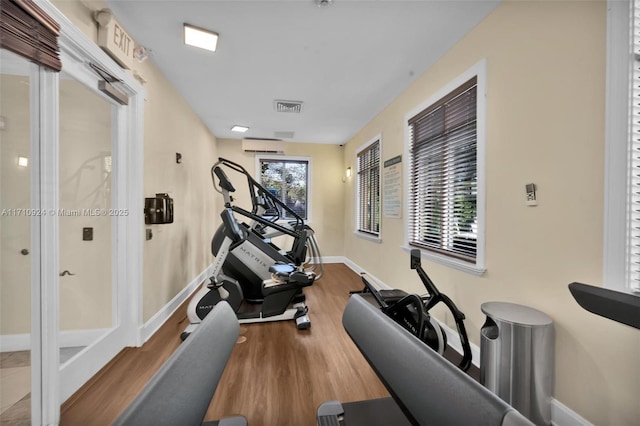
x=392, y=188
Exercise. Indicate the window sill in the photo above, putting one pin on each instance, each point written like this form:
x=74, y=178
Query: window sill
x=368, y=237
x=450, y=262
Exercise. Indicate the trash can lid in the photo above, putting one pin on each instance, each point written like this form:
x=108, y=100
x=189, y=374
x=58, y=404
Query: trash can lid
x=515, y=314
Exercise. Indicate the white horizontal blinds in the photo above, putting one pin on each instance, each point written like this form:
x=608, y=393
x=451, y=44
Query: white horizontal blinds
x=443, y=175
x=634, y=241
x=369, y=189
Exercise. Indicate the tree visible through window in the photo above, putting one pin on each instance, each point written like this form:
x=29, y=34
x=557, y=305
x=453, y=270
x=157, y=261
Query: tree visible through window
x=443, y=175
x=287, y=179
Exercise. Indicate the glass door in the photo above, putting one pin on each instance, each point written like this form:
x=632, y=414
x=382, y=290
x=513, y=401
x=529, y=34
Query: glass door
x=17, y=210
x=88, y=313
x=86, y=284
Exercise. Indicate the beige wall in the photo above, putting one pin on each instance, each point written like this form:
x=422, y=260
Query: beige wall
x=545, y=124
x=327, y=208
x=178, y=252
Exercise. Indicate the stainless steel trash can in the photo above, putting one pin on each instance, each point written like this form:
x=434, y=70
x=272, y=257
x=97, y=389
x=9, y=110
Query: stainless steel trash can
x=517, y=351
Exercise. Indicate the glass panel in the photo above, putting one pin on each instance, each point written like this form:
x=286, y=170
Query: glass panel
x=15, y=247
x=86, y=285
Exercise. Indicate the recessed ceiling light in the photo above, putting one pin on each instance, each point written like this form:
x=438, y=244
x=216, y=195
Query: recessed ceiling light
x=240, y=129
x=199, y=37
x=23, y=161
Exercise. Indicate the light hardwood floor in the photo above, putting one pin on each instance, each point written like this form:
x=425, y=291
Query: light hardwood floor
x=277, y=377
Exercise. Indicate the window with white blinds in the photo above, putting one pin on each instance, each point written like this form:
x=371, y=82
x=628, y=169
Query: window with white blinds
x=621, y=251
x=633, y=249
x=368, y=189
x=443, y=176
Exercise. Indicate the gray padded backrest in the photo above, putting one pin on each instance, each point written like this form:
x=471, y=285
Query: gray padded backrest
x=181, y=390
x=427, y=387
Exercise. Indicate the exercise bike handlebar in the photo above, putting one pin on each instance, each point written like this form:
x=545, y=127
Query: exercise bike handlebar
x=225, y=183
x=253, y=184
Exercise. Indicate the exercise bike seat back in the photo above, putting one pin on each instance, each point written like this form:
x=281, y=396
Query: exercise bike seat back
x=181, y=390
x=428, y=389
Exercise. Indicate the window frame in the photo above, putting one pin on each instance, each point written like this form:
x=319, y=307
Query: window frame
x=258, y=177
x=478, y=70
x=618, y=135
x=371, y=236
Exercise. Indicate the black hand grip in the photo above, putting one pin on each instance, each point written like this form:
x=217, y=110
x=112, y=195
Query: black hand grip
x=225, y=183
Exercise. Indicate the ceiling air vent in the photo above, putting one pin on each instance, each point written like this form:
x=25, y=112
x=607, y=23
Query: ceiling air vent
x=288, y=106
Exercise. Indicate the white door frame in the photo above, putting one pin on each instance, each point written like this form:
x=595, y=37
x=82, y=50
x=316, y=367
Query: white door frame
x=77, y=51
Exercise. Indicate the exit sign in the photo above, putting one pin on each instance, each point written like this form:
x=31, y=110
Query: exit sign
x=114, y=40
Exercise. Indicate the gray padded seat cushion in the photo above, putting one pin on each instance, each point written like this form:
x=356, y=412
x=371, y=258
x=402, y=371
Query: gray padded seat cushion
x=425, y=385
x=181, y=391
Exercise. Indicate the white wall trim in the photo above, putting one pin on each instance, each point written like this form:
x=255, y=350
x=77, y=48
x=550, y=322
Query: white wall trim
x=334, y=259
x=151, y=326
x=561, y=415
x=67, y=339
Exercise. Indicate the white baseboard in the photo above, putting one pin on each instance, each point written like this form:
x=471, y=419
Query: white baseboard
x=15, y=342
x=333, y=259
x=151, y=326
x=561, y=415
x=66, y=338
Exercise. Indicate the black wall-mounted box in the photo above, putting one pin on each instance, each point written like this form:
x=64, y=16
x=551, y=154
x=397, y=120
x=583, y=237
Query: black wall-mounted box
x=158, y=210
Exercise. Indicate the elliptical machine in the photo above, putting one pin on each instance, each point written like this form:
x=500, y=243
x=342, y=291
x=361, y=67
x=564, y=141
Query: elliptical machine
x=250, y=266
x=280, y=298
x=412, y=312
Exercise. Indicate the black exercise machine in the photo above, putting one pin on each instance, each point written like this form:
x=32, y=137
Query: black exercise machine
x=412, y=312
x=259, y=282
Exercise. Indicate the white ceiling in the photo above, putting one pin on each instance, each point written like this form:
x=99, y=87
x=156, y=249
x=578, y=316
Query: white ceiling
x=346, y=62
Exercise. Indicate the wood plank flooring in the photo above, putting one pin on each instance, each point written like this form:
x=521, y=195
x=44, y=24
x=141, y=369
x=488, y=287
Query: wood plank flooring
x=277, y=377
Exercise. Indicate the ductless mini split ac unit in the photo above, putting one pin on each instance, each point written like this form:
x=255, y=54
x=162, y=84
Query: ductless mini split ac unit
x=263, y=146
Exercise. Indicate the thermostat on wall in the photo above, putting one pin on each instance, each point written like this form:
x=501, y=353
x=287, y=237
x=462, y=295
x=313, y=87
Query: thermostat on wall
x=531, y=194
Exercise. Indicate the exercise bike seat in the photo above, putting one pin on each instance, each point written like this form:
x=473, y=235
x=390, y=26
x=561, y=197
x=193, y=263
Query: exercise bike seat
x=282, y=269
x=287, y=272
